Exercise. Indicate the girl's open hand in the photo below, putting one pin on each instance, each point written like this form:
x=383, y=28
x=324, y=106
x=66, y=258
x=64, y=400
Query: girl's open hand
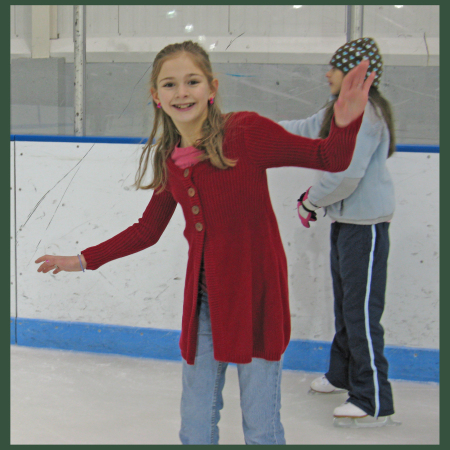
x=353, y=95
x=60, y=263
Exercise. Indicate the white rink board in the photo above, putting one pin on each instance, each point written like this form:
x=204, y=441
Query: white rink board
x=146, y=289
x=411, y=316
x=12, y=272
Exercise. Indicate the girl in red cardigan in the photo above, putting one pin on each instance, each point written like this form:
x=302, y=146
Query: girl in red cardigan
x=236, y=306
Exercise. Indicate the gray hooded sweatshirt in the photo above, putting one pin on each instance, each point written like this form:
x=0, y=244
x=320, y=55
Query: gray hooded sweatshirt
x=364, y=193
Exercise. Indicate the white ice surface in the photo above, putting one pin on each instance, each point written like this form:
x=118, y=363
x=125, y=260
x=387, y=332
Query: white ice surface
x=63, y=397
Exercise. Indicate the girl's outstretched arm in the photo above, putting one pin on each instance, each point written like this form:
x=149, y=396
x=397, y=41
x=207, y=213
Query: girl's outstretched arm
x=143, y=234
x=268, y=146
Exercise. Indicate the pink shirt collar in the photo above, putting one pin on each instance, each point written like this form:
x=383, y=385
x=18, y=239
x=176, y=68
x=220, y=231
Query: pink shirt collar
x=185, y=157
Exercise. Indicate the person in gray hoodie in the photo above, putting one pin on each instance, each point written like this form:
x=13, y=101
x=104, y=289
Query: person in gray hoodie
x=360, y=202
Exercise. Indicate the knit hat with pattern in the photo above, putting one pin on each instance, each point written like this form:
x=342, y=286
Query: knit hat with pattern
x=353, y=52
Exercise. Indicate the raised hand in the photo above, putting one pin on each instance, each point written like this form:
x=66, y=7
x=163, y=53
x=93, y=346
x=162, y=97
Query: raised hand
x=353, y=95
x=60, y=263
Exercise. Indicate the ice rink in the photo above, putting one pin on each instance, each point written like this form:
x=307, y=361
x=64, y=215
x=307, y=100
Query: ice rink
x=65, y=397
x=81, y=112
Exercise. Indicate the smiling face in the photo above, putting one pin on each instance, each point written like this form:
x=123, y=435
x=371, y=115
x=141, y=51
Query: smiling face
x=183, y=91
x=335, y=77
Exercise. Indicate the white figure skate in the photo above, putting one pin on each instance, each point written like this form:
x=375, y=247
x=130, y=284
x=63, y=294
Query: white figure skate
x=349, y=415
x=321, y=385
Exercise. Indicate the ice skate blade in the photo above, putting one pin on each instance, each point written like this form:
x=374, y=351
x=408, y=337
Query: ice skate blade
x=364, y=422
x=336, y=391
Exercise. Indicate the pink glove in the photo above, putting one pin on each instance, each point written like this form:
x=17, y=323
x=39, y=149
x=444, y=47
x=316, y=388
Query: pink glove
x=306, y=210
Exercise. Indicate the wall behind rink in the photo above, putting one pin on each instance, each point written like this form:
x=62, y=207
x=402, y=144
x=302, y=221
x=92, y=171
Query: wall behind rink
x=117, y=103
x=268, y=58
x=71, y=195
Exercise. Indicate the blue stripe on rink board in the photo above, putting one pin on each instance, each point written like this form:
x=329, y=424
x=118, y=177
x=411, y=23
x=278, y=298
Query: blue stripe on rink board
x=101, y=338
x=412, y=364
x=82, y=139
x=143, y=140
x=405, y=363
x=417, y=148
x=12, y=324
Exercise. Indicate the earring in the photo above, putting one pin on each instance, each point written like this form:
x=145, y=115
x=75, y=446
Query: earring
x=158, y=105
x=211, y=101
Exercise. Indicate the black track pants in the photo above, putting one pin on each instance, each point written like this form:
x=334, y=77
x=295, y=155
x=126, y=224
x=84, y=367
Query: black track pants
x=359, y=256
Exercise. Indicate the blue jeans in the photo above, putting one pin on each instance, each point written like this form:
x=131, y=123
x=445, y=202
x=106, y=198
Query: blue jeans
x=203, y=382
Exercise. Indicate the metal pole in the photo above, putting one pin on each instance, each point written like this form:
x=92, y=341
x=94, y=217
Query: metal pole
x=355, y=17
x=79, y=37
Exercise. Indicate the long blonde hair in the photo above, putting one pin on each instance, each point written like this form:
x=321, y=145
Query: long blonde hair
x=212, y=130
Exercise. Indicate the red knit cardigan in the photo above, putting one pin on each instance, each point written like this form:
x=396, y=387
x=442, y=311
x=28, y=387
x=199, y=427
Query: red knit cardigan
x=231, y=223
